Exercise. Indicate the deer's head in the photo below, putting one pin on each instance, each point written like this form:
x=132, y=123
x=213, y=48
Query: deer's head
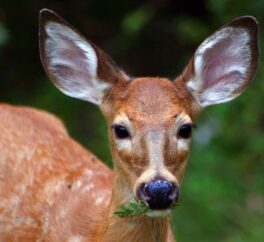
x=150, y=120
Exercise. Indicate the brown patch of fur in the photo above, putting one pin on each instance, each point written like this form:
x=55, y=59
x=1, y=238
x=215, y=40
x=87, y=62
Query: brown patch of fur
x=38, y=162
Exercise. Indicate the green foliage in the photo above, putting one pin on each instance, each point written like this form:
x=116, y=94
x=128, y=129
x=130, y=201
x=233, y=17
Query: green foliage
x=136, y=20
x=133, y=209
x=136, y=209
x=4, y=35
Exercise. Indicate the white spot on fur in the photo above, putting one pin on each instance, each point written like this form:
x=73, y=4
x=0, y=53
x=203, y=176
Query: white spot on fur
x=77, y=185
x=89, y=187
x=75, y=238
x=52, y=188
x=89, y=173
x=99, y=200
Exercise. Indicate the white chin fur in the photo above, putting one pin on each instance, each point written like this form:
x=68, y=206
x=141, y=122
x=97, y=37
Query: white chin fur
x=159, y=213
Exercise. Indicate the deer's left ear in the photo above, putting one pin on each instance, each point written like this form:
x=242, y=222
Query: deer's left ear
x=75, y=65
x=224, y=64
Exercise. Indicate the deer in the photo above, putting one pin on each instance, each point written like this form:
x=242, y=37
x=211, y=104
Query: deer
x=53, y=189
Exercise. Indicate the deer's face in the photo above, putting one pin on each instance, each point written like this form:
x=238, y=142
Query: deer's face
x=150, y=134
x=150, y=119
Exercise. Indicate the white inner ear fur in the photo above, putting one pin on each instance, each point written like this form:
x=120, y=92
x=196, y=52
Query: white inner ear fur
x=73, y=61
x=221, y=63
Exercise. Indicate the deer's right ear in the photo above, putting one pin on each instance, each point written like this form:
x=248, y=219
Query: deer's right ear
x=224, y=64
x=75, y=65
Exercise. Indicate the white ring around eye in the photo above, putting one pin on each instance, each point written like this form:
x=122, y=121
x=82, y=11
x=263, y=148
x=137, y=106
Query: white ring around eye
x=123, y=144
x=182, y=144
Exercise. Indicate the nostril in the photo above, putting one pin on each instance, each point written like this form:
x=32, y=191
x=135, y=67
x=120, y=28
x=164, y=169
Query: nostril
x=175, y=193
x=142, y=194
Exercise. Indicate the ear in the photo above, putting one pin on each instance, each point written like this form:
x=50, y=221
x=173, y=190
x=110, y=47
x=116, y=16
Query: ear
x=75, y=65
x=224, y=64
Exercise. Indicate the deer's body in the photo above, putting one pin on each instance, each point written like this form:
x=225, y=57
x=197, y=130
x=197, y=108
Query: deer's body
x=52, y=189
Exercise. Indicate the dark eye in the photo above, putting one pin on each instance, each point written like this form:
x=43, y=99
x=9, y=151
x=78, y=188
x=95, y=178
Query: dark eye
x=120, y=131
x=185, y=131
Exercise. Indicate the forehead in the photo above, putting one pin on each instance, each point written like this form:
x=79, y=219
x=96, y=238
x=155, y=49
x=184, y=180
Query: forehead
x=153, y=99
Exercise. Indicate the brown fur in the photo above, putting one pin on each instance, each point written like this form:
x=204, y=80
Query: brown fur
x=46, y=186
x=43, y=172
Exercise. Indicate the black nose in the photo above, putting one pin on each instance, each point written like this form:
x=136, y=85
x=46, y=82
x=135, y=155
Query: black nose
x=159, y=194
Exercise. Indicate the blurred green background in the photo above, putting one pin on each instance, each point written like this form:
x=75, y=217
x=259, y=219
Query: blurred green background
x=223, y=190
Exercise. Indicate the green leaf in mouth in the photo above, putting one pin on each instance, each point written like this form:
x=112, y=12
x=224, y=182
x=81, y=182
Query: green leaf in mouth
x=135, y=209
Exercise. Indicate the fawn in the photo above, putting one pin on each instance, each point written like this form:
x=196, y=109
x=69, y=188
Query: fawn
x=52, y=189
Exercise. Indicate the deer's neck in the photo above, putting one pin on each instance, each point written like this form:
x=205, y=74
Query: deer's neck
x=130, y=229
